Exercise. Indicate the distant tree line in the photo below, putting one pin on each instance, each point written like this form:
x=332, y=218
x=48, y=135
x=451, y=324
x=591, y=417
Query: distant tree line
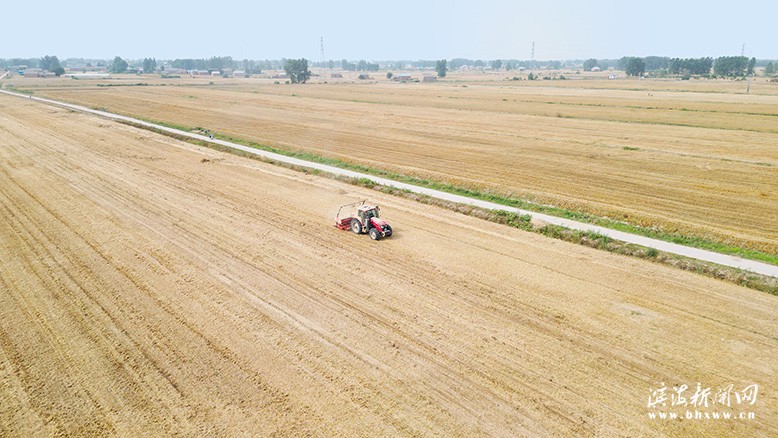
x=632, y=66
x=732, y=66
x=345, y=64
x=213, y=63
x=725, y=66
x=689, y=66
x=508, y=64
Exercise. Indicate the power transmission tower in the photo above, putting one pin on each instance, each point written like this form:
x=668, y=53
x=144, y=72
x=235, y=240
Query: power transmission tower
x=532, y=56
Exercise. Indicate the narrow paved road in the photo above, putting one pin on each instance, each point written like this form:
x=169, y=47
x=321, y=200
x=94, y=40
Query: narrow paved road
x=700, y=254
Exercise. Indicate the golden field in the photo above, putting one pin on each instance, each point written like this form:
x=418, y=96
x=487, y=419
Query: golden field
x=698, y=158
x=150, y=287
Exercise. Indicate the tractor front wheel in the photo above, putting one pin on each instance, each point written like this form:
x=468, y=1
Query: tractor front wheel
x=374, y=234
x=356, y=226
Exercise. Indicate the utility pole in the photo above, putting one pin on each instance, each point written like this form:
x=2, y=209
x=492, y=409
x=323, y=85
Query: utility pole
x=532, y=56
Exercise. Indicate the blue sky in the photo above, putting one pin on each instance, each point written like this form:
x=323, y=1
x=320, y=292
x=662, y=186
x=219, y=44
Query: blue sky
x=383, y=30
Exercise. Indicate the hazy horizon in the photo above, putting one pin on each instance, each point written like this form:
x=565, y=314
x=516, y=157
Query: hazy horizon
x=402, y=30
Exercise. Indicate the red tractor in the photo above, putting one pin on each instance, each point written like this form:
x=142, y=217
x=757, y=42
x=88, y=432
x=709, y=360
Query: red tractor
x=366, y=220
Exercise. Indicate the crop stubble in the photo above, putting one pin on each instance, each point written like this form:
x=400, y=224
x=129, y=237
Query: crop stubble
x=714, y=177
x=145, y=290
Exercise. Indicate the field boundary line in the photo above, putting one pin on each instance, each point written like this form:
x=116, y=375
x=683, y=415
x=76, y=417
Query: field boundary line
x=660, y=245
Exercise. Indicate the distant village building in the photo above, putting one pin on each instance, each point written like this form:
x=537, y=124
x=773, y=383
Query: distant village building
x=87, y=75
x=85, y=69
x=239, y=74
x=429, y=78
x=199, y=73
x=401, y=77
x=36, y=73
x=280, y=76
x=595, y=68
x=336, y=75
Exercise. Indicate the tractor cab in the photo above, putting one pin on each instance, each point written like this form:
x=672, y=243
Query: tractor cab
x=368, y=211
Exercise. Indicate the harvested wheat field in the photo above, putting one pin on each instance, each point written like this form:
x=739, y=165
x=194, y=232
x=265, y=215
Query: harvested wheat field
x=701, y=164
x=153, y=287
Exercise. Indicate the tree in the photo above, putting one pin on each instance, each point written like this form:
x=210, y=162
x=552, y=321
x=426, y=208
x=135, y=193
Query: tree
x=389, y=75
x=496, y=64
x=118, y=66
x=751, y=65
x=633, y=66
x=441, y=68
x=654, y=63
x=730, y=66
x=59, y=71
x=769, y=69
x=297, y=69
x=149, y=65
x=220, y=63
x=531, y=76
x=589, y=64
x=690, y=66
x=50, y=63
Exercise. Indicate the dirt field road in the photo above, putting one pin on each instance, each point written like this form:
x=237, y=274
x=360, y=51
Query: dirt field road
x=150, y=286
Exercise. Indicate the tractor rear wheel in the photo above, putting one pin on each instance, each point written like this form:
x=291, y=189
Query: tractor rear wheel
x=356, y=226
x=374, y=234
